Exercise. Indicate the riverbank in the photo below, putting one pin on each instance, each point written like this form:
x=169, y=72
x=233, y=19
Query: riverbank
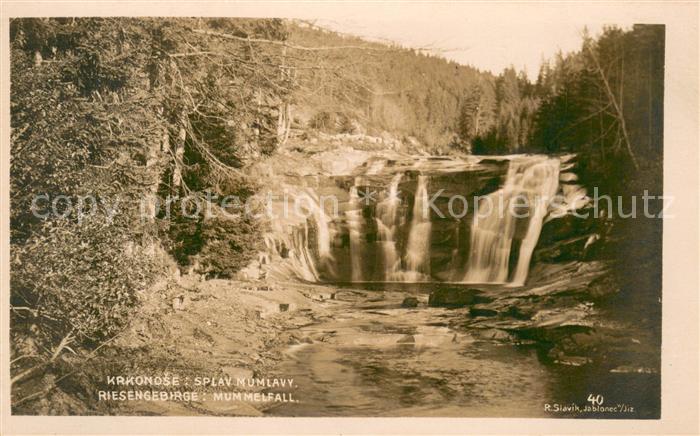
x=383, y=349
x=217, y=329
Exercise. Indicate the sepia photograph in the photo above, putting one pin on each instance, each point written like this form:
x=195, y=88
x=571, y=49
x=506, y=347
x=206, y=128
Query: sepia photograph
x=354, y=215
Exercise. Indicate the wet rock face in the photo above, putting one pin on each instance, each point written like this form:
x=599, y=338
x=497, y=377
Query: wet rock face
x=569, y=238
x=603, y=286
x=360, y=225
x=453, y=298
x=519, y=313
x=566, y=227
x=409, y=302
x=475, y=311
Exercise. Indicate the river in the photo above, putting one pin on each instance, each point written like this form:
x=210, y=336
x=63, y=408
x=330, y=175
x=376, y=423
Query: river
x=374, y=357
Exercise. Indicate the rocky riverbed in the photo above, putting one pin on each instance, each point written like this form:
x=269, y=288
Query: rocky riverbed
x=393, y=349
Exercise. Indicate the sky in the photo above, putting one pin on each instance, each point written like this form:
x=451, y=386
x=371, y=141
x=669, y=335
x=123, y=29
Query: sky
x=491, y=46
x=489, y=36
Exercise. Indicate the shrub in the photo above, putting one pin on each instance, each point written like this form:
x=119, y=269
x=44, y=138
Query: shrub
x=220, y=244
x=82, y=279
x=229, y=244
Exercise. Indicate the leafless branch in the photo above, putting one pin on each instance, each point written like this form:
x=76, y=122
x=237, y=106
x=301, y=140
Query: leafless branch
x=616, y=105
x=289, y=45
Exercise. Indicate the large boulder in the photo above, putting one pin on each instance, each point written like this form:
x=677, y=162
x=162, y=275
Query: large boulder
x=568, y=238
x=566, y=227
x=409, y=302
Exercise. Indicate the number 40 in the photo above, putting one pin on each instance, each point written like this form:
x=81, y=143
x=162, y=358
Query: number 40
x=596, y=400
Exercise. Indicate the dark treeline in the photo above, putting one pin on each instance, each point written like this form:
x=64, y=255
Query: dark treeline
x=606, y=103
x=603, y=102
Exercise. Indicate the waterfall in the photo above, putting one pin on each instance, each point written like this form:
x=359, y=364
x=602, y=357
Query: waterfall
x=530, y=184
x=371, y=240
x=540, y=184
x=418, y=247
x=304, y=260
x=491, y=239
x=387, y=224
x=355, y=222
x=323, y=232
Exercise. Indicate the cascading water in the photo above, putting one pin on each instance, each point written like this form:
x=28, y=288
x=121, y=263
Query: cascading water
x=417, y=255
x=355, y=221
x=491, y=239
x=540, y=183
x=530, y=184
x=387, y=226
x=322, y=221
x=291, y=234
x=383, y=241
x=304, y=258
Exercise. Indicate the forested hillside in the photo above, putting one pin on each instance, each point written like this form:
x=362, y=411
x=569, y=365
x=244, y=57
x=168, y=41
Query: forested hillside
x=385, y=88
x=111, y=117
x=605, y=100
x=408, y=92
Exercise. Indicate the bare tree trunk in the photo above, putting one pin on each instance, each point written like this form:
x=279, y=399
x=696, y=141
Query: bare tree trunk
x=616, y=105
x=284, y=123
x=179, y=153
x=650, y=105
x=476, y=120
x=285, y=111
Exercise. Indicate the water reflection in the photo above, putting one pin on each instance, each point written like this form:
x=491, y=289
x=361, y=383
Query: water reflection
x=375, y=358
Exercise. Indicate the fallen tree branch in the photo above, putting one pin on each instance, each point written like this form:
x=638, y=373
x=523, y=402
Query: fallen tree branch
x=57, y=351
x=92, y=354
x=288, y=45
